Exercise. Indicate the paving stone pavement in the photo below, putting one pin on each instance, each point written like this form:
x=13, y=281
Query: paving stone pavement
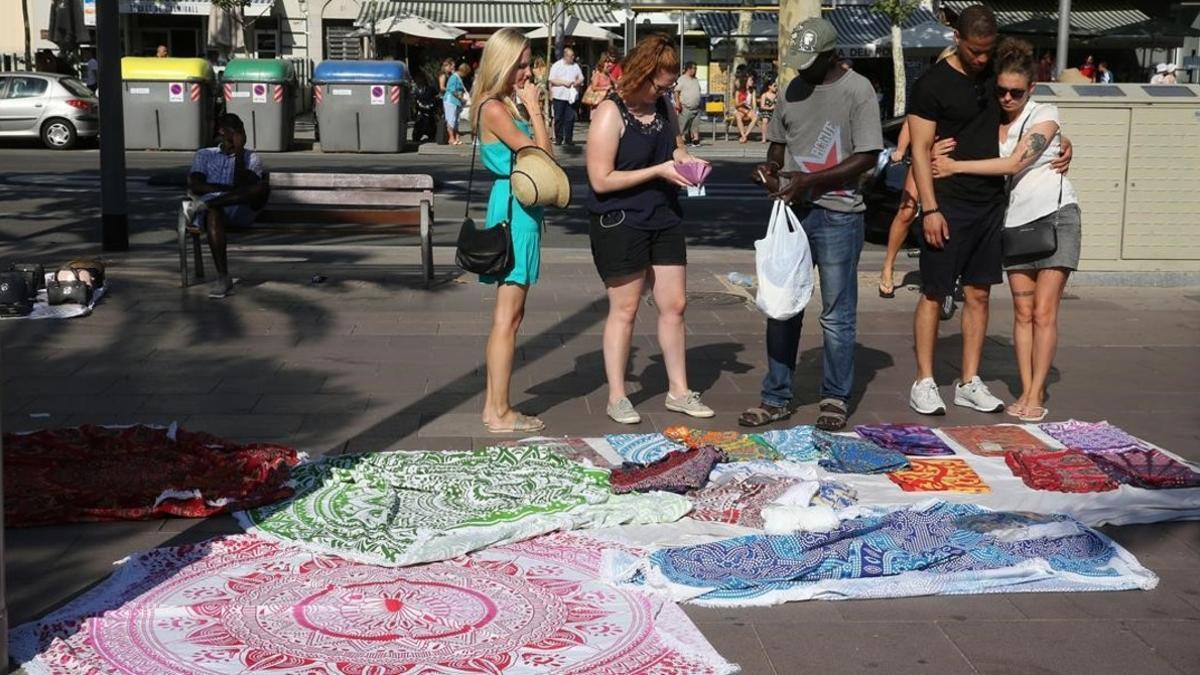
x=370, y=360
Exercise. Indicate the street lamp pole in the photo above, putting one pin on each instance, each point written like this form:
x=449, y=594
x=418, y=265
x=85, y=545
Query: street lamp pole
x=114, y=218
x=1064, y=35
x=3, y=594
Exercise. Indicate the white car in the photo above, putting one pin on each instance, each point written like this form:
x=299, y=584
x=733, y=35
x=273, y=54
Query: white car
x=59, y=109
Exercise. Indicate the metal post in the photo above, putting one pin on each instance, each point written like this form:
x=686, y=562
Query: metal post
x=630, y=26
x=1064, y=35
x=114, y=219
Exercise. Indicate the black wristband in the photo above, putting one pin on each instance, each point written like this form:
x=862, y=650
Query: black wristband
x=929, y=212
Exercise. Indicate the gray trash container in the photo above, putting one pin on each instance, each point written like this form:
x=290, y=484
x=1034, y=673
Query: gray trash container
x=168, y=103
x=361, y=106
x=261, y=92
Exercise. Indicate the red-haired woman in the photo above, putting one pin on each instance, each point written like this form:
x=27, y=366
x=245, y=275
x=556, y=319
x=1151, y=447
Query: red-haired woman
x=637, y=235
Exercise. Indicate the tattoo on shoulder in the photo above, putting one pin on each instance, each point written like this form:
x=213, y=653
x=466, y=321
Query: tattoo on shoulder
x=1037, y=143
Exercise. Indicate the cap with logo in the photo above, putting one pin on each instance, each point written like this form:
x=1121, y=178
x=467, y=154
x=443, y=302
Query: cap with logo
x=809, y=39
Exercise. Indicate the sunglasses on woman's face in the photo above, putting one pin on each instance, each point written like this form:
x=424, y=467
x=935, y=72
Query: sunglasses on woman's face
x=1016, y=94
x=661, y=89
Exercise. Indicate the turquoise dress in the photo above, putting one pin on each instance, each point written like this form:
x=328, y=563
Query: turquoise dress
x=526, y=225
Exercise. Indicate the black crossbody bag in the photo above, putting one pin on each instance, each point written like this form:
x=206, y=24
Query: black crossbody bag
x=486, y=251
x=1036, y=239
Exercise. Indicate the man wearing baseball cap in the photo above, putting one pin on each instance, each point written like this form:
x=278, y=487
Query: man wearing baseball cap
x=231, y=186
x=824, y=135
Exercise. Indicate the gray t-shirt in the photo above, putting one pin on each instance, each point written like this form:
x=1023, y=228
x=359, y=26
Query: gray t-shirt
x=689, y=92
x=836, y=121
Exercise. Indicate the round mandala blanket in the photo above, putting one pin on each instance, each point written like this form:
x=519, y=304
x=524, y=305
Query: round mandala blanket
x=247, y=604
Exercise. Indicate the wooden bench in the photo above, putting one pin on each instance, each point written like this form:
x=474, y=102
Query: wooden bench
x=312, y=203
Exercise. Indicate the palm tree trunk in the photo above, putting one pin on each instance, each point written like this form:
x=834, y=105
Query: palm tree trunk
x=899, y=77
x=28, y=39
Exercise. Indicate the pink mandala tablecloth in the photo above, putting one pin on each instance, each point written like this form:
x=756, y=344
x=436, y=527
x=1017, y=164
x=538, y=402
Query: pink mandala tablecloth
x=244, y=603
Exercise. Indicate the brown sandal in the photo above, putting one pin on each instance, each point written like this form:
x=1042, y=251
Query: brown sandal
x=763, y=415
x=521, y=424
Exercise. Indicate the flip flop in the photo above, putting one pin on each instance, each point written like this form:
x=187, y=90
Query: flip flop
x=1013, y=410
x=889, y=293
x=521, y=424
x=1034, y=414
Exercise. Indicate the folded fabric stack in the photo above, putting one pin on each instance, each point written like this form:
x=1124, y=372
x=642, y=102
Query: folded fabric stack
x=736, y=447
x=1146, y=468
x=939, y=475
x=1089, y=436
x=994, y=441
x=795, y=444
x=643, y=448
x=1058, y=471
x=677, y=472
x=844, y=454
x=910, y=439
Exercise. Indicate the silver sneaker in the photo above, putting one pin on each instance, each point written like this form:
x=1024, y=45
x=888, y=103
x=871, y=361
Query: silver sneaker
x=974, y=394
x=221, y=288
x=622, y=411
x=689, y=405
x=925, y=399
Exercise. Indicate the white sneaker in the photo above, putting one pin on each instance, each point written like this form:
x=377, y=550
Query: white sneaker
x=974, y=394
x=925, y=399
x=622, y=412
x=689, y=405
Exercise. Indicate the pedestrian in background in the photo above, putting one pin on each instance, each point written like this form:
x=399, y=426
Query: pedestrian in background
x=444, y=76
x=1103, y=74
x=454, y=101
x=91, y=70
x=636, y=231
x=161, y=52
x=565, y=80
x=1088, y=69
x=766, y=107
x=687, y=103
x=507, y=118
x=1030, y=142
x=745, y=107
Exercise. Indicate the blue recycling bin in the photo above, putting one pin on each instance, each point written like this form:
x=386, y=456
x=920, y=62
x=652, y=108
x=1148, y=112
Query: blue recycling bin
x=361, y=106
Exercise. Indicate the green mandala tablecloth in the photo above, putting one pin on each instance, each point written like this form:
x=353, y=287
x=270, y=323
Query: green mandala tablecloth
x=405, y=508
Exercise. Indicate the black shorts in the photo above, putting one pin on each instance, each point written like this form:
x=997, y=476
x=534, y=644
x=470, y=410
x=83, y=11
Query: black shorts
x=973, y=252
x=619, y=250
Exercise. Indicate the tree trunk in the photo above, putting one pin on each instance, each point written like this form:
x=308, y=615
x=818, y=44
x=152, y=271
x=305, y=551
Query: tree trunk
x=791, y=13
x=741, y=54
x=28, y=39
x=899, y=77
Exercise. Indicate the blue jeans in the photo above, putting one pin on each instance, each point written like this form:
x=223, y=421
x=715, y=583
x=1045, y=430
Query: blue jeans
x=564, y=121
x=836, y=240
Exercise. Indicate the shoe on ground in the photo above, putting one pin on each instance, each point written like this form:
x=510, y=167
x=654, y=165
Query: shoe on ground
x=622, y=412
x=689, y=404
x=221, y=288
x=974, y=394
x=925, y=398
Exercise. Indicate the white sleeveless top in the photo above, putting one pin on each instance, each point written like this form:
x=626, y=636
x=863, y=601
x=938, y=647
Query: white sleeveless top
x=1034, y=191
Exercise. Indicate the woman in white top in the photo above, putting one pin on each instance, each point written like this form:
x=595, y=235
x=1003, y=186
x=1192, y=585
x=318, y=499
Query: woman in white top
x=1029, y=141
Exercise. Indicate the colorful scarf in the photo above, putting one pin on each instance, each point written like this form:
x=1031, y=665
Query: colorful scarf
x=405, y=508
x=677, y=472
x=737, y=447
x=1089, y=436
x=93, y=473
x=939, y=475
x=936, y=548
x=994, y=441
x=246, y=604
x=795, y=444
x=910, y=439
x=1058, y=471
x=843, y=454
x=1146, y=468
x=643, y=448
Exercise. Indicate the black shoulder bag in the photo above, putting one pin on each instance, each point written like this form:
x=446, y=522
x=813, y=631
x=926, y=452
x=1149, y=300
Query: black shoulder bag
x=488, y=251
x=1036, y=239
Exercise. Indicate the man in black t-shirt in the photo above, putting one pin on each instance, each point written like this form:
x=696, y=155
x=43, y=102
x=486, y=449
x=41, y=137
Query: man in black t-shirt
x=963, y=215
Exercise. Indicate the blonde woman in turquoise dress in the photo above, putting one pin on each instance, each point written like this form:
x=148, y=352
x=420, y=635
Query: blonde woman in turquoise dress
x=508, y=118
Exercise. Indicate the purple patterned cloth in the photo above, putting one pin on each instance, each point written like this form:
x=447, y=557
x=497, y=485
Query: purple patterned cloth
x=1146, y=468
x=910, y=439
x=1090, y=436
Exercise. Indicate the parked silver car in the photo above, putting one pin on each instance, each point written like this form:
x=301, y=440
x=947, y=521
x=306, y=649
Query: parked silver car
x=59, y=109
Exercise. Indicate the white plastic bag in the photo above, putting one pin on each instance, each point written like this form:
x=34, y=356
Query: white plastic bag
x=784, y=264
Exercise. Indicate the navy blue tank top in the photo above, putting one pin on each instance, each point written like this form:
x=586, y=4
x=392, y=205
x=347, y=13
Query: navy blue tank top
x=653, y=205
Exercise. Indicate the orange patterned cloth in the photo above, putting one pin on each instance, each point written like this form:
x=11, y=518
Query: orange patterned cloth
x=995, y=440
x=939, y=475
x=737, y=447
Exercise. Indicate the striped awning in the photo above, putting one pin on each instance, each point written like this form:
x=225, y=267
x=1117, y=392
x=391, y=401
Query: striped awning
x=477, y=14
x=857, y=26
x=1088, y=17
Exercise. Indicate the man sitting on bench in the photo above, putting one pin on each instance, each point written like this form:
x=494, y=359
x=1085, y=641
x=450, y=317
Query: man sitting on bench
x=232, y=187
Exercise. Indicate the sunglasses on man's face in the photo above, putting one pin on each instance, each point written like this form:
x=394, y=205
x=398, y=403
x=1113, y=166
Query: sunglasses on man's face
x=1016, y=94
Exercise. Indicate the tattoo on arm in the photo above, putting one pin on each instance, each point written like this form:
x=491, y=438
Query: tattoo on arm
x=1037, y=143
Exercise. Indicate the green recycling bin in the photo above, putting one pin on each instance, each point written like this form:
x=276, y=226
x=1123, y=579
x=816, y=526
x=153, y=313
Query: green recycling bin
x=168, y=103
x=361, y=106
x=262, y=93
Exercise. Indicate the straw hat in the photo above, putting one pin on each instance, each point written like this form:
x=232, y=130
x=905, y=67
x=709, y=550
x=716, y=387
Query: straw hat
x=1073, y=76
x=537, y=180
